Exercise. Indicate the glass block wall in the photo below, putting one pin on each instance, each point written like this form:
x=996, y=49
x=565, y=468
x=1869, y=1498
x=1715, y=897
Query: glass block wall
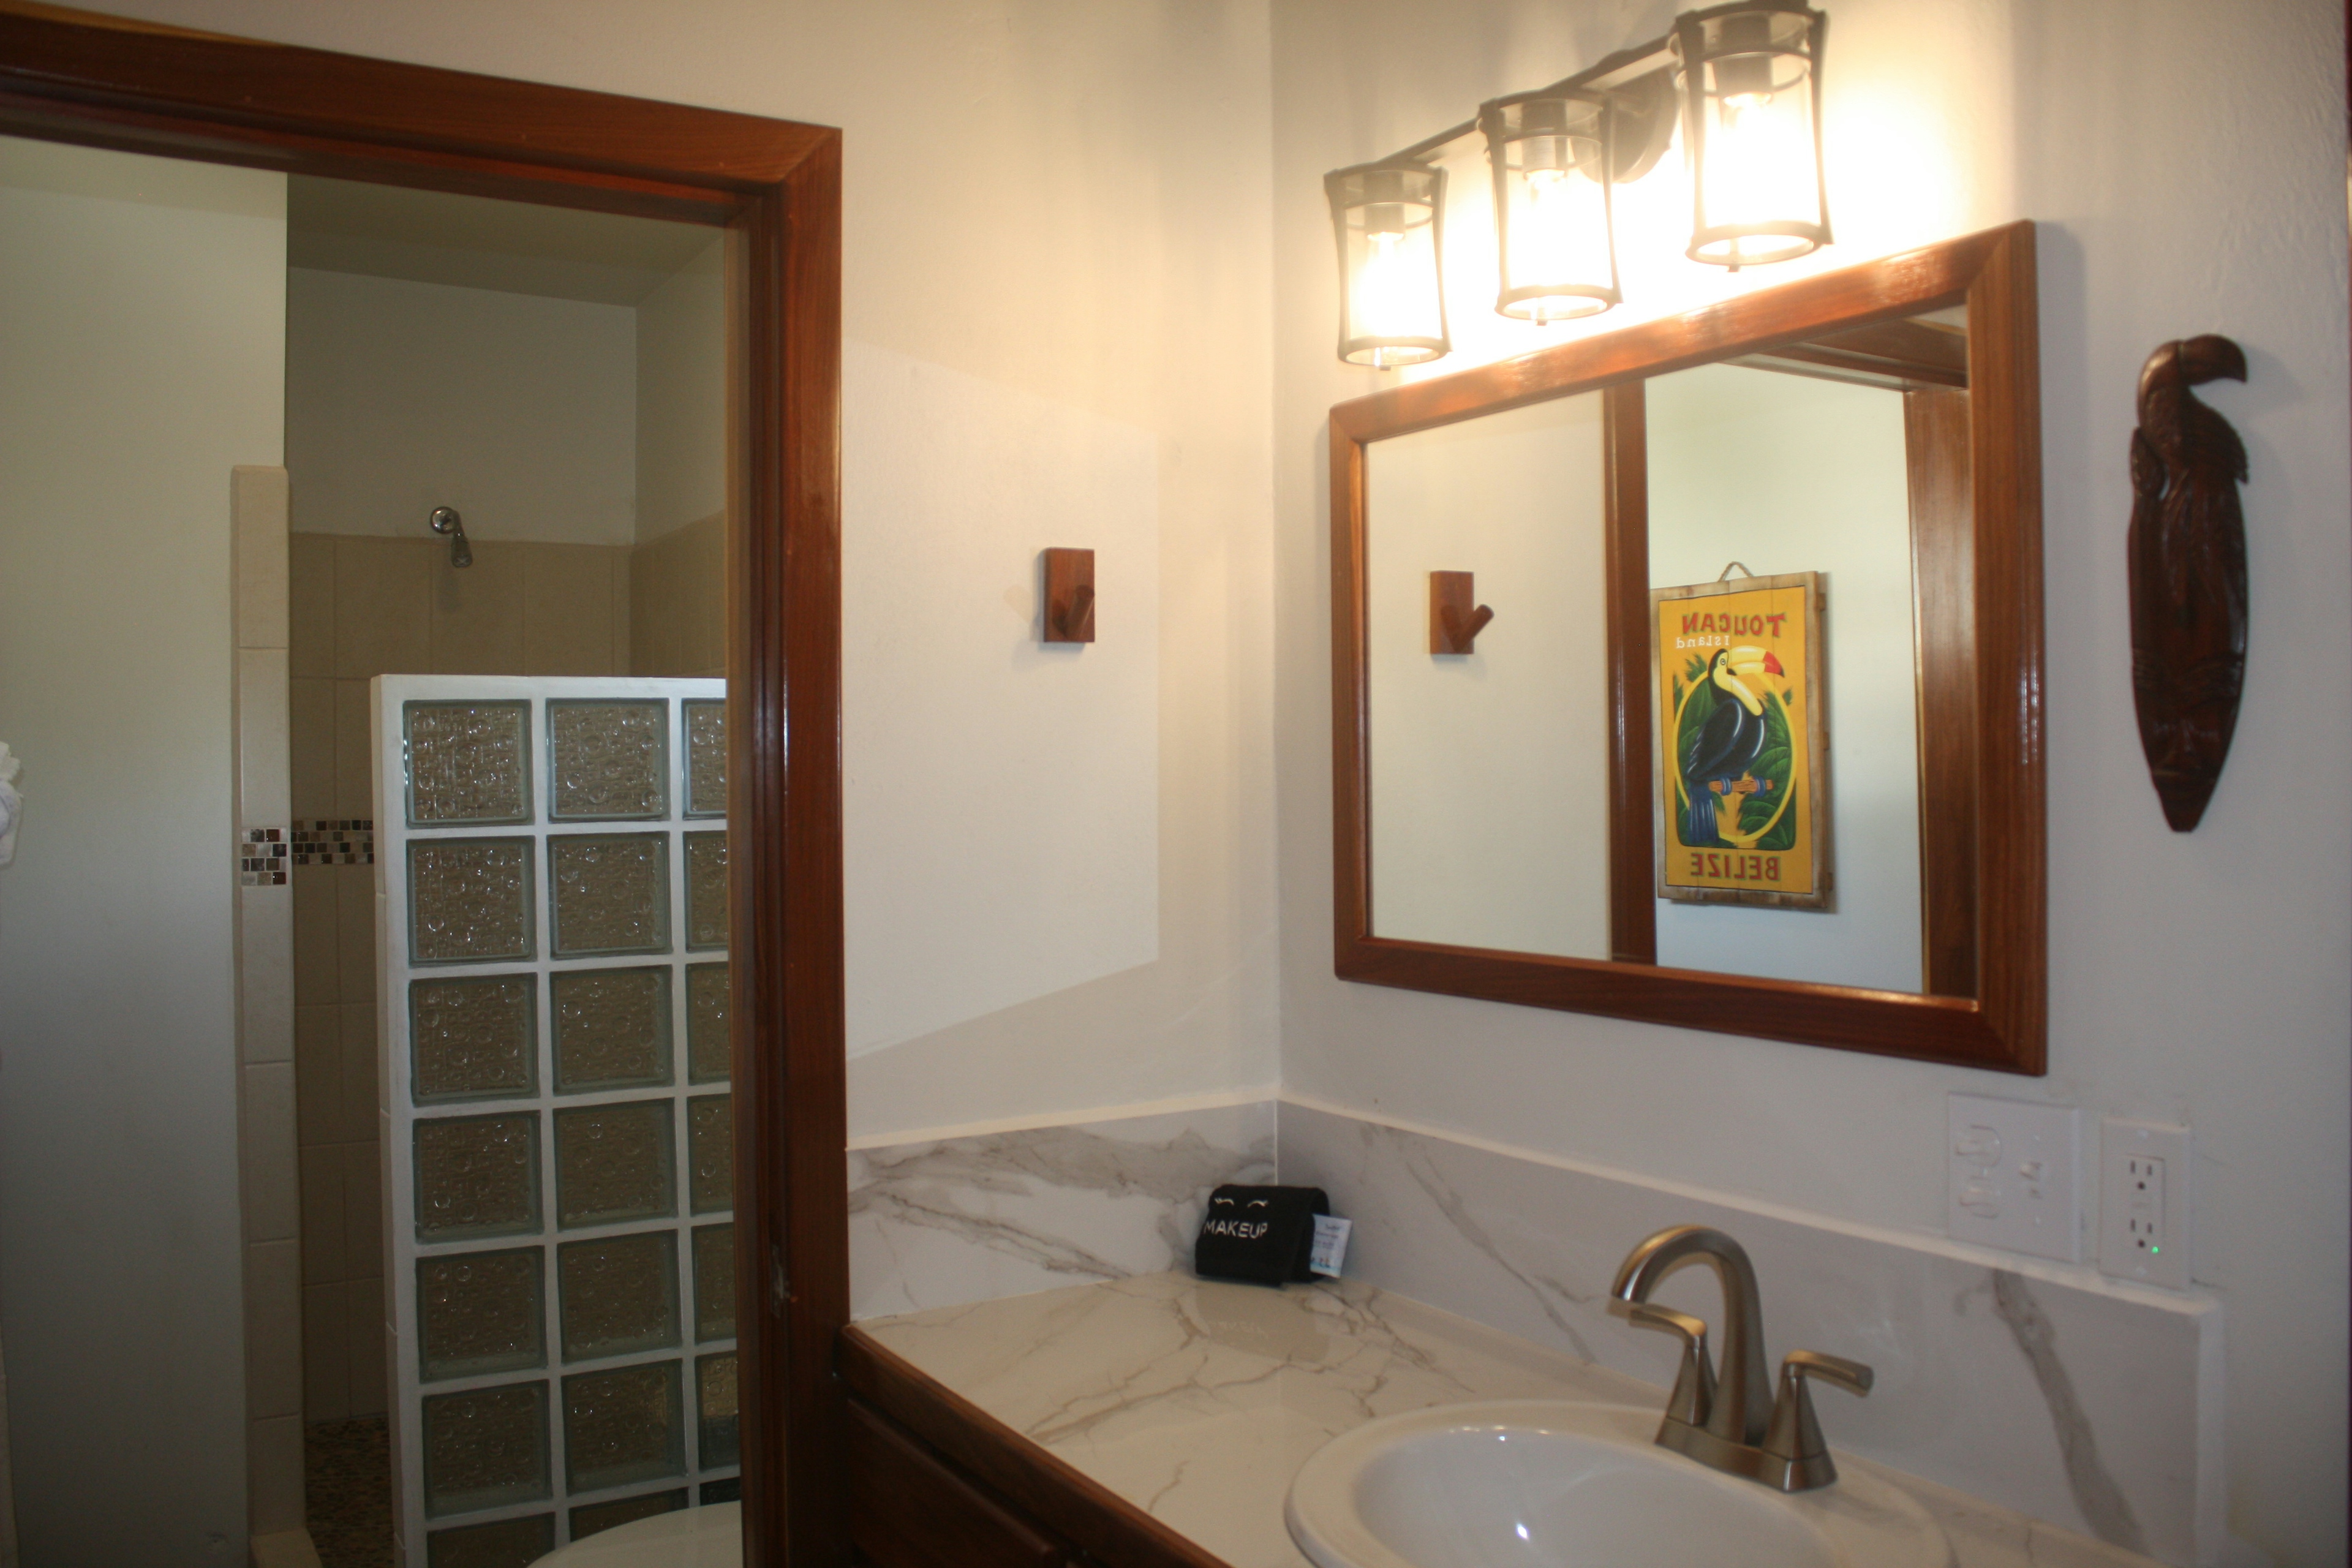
x=558, y=1147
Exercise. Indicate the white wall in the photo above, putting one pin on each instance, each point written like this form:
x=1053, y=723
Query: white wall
x=142, y=315
x=518, y=411
x=1489, y=795
x=681, y=397
x=1790, y=473
x=2200, y=977
x=1089, y=225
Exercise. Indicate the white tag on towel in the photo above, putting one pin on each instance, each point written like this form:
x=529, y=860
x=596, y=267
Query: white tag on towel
x=1330, y=1248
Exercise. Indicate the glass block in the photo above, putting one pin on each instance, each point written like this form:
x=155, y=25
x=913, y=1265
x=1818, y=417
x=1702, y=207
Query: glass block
x=710, y=1148
x=469, y=900
x=484, y=1447
x=473, y=1039
x=468, y=763
x=613, y=1162
x=721, y=1432
x=601, y=1516
x=619, y=1294
x=623, y=1426
x=714, y=1281
x=612, y=1028
x=705, y=890
x=607, y=759
x=706, y=1023
x=480, y=1312
x=501, y=1543
x=610, y=893
x=731, y=1489
x=706, y=759
x=477, y=1176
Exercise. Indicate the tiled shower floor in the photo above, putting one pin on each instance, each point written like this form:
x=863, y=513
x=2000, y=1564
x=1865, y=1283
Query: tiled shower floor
x=347, y=1466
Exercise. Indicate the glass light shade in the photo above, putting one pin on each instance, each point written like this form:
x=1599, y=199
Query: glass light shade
x=1752, y=132
x=1389, y=219
x=1550, y=155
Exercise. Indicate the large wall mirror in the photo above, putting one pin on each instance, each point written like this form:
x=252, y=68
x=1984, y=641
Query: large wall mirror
x=1750, y=740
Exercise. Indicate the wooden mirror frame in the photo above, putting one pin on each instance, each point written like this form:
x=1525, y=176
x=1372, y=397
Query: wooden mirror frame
x=774, y=186
x=1988, y=728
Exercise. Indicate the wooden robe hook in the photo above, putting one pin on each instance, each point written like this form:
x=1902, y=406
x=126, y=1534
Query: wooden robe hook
x=1455, y=618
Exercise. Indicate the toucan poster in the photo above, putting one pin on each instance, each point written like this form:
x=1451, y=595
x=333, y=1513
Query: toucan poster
x=1744, y=776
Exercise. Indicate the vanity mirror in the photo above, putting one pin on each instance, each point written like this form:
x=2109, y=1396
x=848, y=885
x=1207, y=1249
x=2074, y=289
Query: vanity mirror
x=1749, y=736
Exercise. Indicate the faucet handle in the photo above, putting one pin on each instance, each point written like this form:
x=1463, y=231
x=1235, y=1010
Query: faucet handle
x=1694, y=1393
x=1794, y=1440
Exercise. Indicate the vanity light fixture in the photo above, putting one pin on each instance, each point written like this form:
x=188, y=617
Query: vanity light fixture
x=1745, y=82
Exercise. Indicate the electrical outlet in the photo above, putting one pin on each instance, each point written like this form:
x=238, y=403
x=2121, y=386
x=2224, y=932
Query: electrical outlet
x=2013, y=1179
x=2144, y=1202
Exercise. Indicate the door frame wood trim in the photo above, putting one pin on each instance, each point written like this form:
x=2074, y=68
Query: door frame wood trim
x=775, y=186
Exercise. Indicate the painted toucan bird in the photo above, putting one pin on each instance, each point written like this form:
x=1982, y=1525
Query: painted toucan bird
x=1730, y=740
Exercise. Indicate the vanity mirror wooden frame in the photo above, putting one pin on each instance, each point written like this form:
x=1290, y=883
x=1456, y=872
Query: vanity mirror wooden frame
x=1977, y=594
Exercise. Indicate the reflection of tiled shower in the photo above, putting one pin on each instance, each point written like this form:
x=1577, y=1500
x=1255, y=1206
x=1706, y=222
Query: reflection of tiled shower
x=557, y=1142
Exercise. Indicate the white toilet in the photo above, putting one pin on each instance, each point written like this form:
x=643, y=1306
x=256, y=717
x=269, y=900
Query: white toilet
x=710, y=1537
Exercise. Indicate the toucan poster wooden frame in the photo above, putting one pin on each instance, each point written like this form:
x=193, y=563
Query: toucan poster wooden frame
x=1759, y=832
x=1977, y=511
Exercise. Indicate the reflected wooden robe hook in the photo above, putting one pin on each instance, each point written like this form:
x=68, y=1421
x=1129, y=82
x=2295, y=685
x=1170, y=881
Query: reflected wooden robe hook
x=1069, y=596
x=1455, y=618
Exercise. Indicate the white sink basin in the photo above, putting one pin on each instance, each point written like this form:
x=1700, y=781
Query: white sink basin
x=1533, y=1483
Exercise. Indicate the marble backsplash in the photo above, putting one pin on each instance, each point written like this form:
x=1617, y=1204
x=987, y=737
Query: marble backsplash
x=946, y=1221
x=2045, y=1388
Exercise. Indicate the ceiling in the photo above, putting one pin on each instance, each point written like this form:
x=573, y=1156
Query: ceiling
x=476, y=242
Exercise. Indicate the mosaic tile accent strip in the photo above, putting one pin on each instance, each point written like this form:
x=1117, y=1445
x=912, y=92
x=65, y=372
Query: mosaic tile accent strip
x=618, y=1294
x=480, y=1312
x=714, y=1281
x=334, y=841
x=706, y=759
x=623, y=1426
x=264, y=855
x=468, y=763
x=607, y=760
x=721, y=1429
x=469, y=899
x=477, y=1176
x=473, y=1039
x=706, y=890
x=610, y=893
x=711, y=1146
x=612, y=1029
x=501, y=1543
x=613, y=1163
x=601, y=1516
x=484, y=1447
x=706, y=1001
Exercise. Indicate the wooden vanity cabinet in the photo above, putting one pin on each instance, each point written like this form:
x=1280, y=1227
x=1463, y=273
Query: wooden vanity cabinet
x=908, y=1510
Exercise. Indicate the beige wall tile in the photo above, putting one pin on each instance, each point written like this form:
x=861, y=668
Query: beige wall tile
x=265, y=1144
x=358, y=1071
x=257, y=519
x=273, y=1464
x=567, y=610
x=616, y=561
x=367, y=1347
x=654, y=615
x=264, y=765
x=326, y=1352
x=310, y=603
x=362, y=1210
x=311, y=743
x=319, y=1077
x=477, y=619
x=355, y=752
x=264, y=920
x=326, y=1257
x=382, y=596
x=315, y=959
x=704, y=595
x=273, y=1330
x=356, y=938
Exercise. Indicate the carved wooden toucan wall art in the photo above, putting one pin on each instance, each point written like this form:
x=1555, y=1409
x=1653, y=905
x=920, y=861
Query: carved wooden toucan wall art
x=2188, y=574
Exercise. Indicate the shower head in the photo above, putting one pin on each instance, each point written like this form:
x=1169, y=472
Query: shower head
x=446, y=521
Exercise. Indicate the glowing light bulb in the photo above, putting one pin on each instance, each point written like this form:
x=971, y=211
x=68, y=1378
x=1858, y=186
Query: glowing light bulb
x=1760, y=169
x=1384, y=291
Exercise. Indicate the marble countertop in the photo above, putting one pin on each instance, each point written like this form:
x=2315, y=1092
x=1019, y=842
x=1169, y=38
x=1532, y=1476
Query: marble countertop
x=1197, y=1400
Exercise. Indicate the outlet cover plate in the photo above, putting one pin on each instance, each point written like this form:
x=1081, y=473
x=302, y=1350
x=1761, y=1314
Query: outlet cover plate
x=2122, y=1254
x=2014, y=1173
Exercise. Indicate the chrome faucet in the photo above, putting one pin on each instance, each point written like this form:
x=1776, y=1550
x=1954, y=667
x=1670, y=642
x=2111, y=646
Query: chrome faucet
x=1723, y=1422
